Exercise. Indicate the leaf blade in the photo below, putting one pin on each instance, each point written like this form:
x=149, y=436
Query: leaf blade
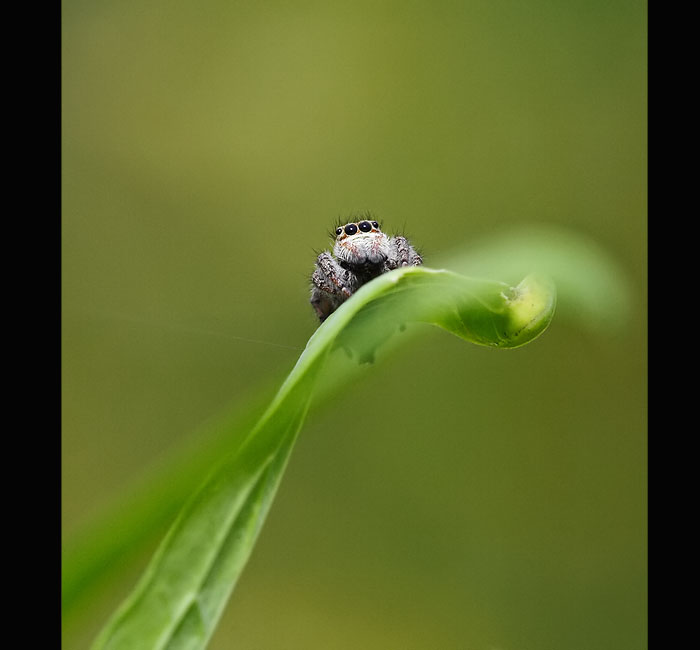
x=180, y=597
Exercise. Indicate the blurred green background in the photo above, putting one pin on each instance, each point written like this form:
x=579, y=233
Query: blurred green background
x=453, y=497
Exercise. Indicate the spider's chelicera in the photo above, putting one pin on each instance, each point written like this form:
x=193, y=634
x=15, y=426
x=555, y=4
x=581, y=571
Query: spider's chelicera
x=361, y=252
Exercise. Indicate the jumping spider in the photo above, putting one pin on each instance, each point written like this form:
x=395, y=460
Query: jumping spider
x=362, y=252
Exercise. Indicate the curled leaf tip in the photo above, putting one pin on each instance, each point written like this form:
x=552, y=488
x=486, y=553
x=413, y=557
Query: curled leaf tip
x=531, y=306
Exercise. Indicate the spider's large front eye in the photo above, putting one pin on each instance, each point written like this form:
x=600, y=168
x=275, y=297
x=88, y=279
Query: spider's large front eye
x=375, y=224
x=365, y=226
x=338, y=231
x=350, y=229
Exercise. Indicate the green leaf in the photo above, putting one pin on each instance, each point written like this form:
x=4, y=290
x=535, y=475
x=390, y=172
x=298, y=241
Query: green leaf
x=180, y=597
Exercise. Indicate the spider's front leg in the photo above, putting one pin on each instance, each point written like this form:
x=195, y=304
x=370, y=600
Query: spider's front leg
x=332, y=286
x=403, y=254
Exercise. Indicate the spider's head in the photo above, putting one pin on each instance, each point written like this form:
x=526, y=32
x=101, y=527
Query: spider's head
x=361, y=243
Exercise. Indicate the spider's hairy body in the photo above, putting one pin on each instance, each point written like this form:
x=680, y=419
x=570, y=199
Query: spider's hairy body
x=361, y=252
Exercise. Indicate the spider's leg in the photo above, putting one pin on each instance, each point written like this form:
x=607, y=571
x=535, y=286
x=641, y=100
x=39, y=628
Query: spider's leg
x=406, y=255
x=330, y=286
x=322, y=303
x=333, y=276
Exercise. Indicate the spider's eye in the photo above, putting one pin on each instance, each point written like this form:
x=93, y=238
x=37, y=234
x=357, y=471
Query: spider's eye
x=365, y=226
x=338, y=231
x=350, y=229
x=375, y=224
